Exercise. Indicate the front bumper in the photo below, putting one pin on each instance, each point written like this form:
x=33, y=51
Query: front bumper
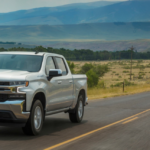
x=15, y=109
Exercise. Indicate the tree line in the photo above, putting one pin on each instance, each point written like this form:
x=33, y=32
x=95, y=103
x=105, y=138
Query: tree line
x=86, y=54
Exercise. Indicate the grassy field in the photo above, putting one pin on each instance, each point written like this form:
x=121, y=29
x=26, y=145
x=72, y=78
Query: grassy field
x=118, y=72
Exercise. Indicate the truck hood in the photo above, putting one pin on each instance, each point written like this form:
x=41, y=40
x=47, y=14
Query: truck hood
x=13, y=75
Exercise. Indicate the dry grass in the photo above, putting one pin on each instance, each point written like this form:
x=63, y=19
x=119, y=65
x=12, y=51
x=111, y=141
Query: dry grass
x=116, y=75
x=96, y=93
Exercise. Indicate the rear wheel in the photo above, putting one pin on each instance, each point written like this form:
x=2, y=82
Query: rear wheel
x=77, y=115
x=35, y=121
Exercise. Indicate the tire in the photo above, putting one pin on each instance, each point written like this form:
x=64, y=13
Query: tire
x=34, y=123
x=77, y=114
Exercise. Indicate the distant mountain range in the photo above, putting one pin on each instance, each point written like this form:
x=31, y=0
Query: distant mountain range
x=45, y=15
x=93, y=31
x=127, y=11
x=101, y=25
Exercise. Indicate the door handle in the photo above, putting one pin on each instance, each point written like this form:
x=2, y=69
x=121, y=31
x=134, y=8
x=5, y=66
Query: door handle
x=59, y=82
x=70, y=81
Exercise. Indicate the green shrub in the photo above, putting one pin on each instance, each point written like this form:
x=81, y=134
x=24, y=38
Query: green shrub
x=126, y=83
x=141, y=67
x=115, y=80
x=100, y=70
x=131, y=74
x=139, y=61
x=125, y=71
x=140, y=77
x=86, y=67
x=117, y=84
x=121, y=63
x=141, y=73
x=92, y=78
x=126, y=67
x=71, y=66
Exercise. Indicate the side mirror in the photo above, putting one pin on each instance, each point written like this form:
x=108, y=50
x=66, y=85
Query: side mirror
x=55, y=73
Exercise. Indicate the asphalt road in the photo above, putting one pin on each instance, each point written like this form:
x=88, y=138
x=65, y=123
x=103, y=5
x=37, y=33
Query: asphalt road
x=120, y=123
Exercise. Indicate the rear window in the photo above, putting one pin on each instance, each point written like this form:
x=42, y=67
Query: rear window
x=61, y=65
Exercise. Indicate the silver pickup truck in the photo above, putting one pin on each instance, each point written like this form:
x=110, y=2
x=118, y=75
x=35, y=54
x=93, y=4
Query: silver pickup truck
x=34, y=85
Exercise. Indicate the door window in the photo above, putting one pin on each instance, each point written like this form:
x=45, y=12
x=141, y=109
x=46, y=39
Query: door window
x=49, y=65
x=61, y=65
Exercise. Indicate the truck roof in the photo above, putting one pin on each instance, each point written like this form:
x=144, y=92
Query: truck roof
x=29, y=53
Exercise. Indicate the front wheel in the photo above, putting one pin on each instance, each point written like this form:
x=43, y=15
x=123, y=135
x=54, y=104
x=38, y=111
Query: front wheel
x=77, y=115
x=35, y=121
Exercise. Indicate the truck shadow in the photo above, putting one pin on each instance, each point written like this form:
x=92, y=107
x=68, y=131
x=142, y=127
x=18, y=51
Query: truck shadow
x=50, y=127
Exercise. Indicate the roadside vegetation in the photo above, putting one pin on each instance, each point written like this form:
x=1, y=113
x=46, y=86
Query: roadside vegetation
x=106, y=78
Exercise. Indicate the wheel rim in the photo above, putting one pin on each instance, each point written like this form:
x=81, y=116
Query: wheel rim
x=80, y=109
x=37, y=117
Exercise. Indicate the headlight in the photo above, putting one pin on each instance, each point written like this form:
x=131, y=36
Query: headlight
x=24, y=83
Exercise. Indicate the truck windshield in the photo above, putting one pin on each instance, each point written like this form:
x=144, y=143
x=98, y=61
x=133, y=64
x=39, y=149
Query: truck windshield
x=28, y=63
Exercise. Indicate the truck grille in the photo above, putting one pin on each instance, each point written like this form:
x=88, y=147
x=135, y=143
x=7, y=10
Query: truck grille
x=3, y=97
x=4, y=83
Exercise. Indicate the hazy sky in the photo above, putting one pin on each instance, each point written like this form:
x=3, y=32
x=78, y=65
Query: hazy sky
x=13, y=5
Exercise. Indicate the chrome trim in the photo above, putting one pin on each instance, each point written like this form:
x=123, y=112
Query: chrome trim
x=57, y=111
x=16, y=107
x=86, y=101
x=10, y=89
x=26, y=113
x=10, y=86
